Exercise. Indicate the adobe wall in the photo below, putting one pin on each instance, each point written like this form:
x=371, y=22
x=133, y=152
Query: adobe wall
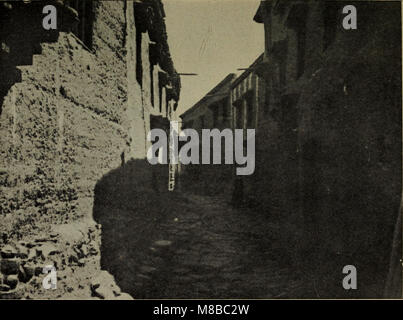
x=333, y=140
x=66, y=124
x=349, y=134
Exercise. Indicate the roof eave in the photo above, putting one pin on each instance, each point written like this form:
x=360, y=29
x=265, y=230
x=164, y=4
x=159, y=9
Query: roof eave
x=258, y=15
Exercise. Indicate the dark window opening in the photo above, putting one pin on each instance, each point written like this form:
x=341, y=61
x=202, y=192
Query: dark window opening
x=83, y=30
x=188, y=125
x=301, y=52
x=249, y=110
x=280, y=55
x=202, y=122
x=297, y=21
x=289, y=104
x=238, y=115
x=266, y=102
x=225, y=111
x=283, y=71
x=215, y=115
x=330, y=14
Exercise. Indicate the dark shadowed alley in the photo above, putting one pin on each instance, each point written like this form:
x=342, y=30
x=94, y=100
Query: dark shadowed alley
x=200, y=247
x=210, y=250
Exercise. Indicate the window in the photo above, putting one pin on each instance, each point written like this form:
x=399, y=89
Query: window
x=225, y=110
x=330, y=12
x=188, y=125
x=249, y=110
x=283, y=71
x=215, y=115
x=238, y=115
x=301, y=52
x=280, y=53
x=83, y=30
x=297, y=21
x=202, y=122
x=289, y=105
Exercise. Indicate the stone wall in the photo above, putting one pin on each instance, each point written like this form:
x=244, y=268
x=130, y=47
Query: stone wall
x=350, y=137
x=58, y=121
x=75, y=115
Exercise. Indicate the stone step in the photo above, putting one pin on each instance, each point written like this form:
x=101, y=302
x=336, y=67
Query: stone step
x=12, y=294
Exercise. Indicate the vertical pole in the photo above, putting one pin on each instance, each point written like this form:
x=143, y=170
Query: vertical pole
x=256, y=100
x=244, y=112
x=173, y=141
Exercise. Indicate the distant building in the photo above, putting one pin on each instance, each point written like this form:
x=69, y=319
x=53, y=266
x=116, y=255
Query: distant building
x=212, y=111
x=248, y=102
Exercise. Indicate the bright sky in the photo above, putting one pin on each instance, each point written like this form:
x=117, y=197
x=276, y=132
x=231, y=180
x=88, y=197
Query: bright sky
x=211, y=38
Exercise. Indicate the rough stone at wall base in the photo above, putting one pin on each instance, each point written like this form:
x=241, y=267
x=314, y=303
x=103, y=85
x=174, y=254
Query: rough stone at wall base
x=104, y=287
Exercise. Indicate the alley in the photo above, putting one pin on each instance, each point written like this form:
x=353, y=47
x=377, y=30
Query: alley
x=207, y=249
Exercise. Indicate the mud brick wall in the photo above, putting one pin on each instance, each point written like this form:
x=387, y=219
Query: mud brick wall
x=67, y=122
x=333, y=156
x=350, y=133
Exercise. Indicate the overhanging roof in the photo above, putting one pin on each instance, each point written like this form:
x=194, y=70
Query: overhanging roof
x=262, y=11
x=217, y=93
x=248, y=71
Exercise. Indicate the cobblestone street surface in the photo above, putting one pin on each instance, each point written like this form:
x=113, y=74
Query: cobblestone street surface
x=206, y=249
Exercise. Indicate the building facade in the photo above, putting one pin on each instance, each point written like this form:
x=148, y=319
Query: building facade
x=213, y=111
x=248, y=94
x=77, y=102
x=332, y=165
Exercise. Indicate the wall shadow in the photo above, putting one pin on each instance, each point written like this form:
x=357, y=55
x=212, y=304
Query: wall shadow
x=21, y=36
x=129, y=202
x=135, y=208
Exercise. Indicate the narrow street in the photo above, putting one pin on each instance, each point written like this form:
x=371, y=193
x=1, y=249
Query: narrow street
x=126, y=125
x=207, y=249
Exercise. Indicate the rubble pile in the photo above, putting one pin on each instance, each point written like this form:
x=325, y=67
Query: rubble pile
x=73, y=250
